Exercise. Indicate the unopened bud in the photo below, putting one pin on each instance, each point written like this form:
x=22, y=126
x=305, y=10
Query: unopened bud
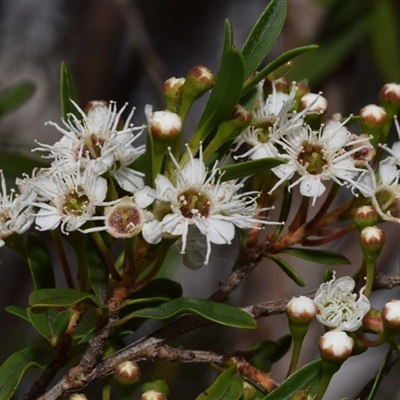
x=77, y=396
x=389, y=97
x=372, y=120
x=155, y=384
x=124, y=219
x=127, y=373
x=249, y=392
x=372, y=240
x=281, y=85
x=301, y=309
x=314, y=103
x=335, y=346
x=365, y=216
x=391, y=315
x=171, y=92
x=163, y=124
x=153, y=395
x=90, y=105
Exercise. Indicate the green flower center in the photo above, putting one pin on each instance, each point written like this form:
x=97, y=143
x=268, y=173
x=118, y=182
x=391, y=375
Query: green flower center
x=312, y=158
x=75, y=203
x=194, y=203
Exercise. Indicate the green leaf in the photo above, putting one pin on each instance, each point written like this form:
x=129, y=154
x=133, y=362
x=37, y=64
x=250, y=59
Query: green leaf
x=228, y=386
x=68, y=92
x=223, y=314
x=248, y=168
x=97, y=271
x=14, y=368
x=287, y=269
x=277, y=63
x=40, y=322
x=307, y=378
x=228, y=42
x=40, y=264
x=41, y=300
x=223, y=98
x=318, y=256
x=18, y=312
x=385, y=44
x=263, y=35
x=15, y=95
x=268, y=352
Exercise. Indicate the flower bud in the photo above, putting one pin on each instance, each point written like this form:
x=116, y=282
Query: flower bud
x=127, y=373
x=124, y=219
x=389, y=97
x=335, y=346
x=281, y=85
x=249, y=391
x=391, y=315
x=372, y=120
x=315, y=106
x=301, y=309
x=365, y=216
x=155, y=384
x=171, y=92
x=153, y=395
x=372, y=240
x=92, y=104
x=163, y=124
x=77, y=396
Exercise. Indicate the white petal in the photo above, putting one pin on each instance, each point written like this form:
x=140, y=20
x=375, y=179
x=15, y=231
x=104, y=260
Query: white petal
x=194, y=171
x=151, y=232
x=47, y=220
x=128, y=179
x=312, y=186
x=388, y=170
x=220, y=231
x=144, y=196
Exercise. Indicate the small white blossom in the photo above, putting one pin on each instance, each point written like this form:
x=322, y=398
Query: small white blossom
x=200, y=199
x=317, y=156
x=15, y=214
x=338, y=307
x=68, y=198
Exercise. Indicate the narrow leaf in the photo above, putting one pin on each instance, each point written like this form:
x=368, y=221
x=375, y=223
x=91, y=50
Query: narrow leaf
x=60, y=323
x=40, y=263
x=223, y=98
x=277, y=63
x=305, y=379
x=228, y=386
x=14, y=368
x=318, y=256
x=263, y=35
x=248, y=168
x=41, y=300
x=14, y=96
x=287, y=269
x=67, y=92
x=223, y=314
x=18, y=312
x=228, y=35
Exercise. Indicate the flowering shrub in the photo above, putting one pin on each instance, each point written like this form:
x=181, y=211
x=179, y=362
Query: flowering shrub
x=124, y=207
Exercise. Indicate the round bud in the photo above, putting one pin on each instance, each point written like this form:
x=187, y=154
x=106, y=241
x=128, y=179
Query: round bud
x=249, y=391
x=366, y=151
x=127, y=373
x=372, y=115
x=365, y=216
x=153, y=395
x=372, y=240
x=163, y=124
x=335, y=346
x=171, y=90
x=391, y=315
x=156, y=384
x=301, y=309
x=77, y=396
x=389, y=96
x=314, y=103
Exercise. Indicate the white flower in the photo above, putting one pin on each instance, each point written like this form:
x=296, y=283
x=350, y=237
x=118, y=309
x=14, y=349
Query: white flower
x=385, y=192
x=199, y=199
x=335, y=345
x=15, y=215
x=391, y=314
x=96, y=140
x=338, y=307
x=317, y=157
x=68, y=197
x=163, y=124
